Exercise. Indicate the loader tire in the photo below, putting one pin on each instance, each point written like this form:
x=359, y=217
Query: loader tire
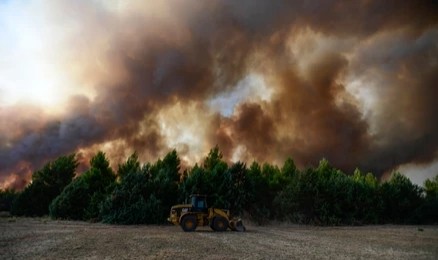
x=188, y=223
x=220, y=224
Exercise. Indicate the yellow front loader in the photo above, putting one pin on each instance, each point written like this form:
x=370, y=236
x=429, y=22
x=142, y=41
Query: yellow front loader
x=190, y=216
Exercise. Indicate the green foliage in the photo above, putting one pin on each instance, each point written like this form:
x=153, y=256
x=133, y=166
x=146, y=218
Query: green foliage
x=144, y=195
x=132, y=164
x=259, y=203
x=46, y=184
x=275, y=181
x=273, y=175
x=7, y=197
x=322, y=195
x=127, y=203
x=212, y=179
x=238, y=188
x=214, y=160
x=367, y=205
x=164, y=185
x=327, y=196
x=400, y=199
x=226, y=187
x=81, y=199
x=194, y=181
x=427, y=213
x=289, y=170
x=71, y=203
x=431, y=187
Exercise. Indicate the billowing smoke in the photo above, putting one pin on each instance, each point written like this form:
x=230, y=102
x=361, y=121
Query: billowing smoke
x=354, y=82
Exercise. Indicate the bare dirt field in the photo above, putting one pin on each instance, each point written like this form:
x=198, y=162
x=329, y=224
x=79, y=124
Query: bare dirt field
x=42, y=238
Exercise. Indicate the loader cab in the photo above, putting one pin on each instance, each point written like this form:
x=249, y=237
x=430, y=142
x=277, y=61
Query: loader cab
x=199, y=203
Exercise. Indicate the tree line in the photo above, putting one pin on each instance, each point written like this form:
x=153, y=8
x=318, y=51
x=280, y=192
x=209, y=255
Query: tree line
x=143, y=193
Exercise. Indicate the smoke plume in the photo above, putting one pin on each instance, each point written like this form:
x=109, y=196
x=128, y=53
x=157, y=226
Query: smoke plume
x=354, y=82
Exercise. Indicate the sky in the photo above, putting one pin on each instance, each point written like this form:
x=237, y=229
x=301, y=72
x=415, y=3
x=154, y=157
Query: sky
x=350, y=81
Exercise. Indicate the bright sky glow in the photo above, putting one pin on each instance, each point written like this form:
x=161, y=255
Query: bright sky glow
x=29, y=73
x=250, y=88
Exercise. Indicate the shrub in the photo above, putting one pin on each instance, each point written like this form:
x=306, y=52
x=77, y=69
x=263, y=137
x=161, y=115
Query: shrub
x=7, y=197
x=144, y=195
x=400, y=199
x=81, y=199
x=46, y=185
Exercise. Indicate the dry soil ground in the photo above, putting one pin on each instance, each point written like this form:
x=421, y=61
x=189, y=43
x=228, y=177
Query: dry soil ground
x=42, y=238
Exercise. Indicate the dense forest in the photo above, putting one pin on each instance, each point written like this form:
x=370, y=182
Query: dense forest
x=143, y=193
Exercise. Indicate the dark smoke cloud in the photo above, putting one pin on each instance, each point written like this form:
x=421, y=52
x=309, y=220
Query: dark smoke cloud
x=303, y=119
x=144, y=60
x=405, y=110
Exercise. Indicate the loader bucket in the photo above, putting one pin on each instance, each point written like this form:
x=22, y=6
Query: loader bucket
x=237, y=225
